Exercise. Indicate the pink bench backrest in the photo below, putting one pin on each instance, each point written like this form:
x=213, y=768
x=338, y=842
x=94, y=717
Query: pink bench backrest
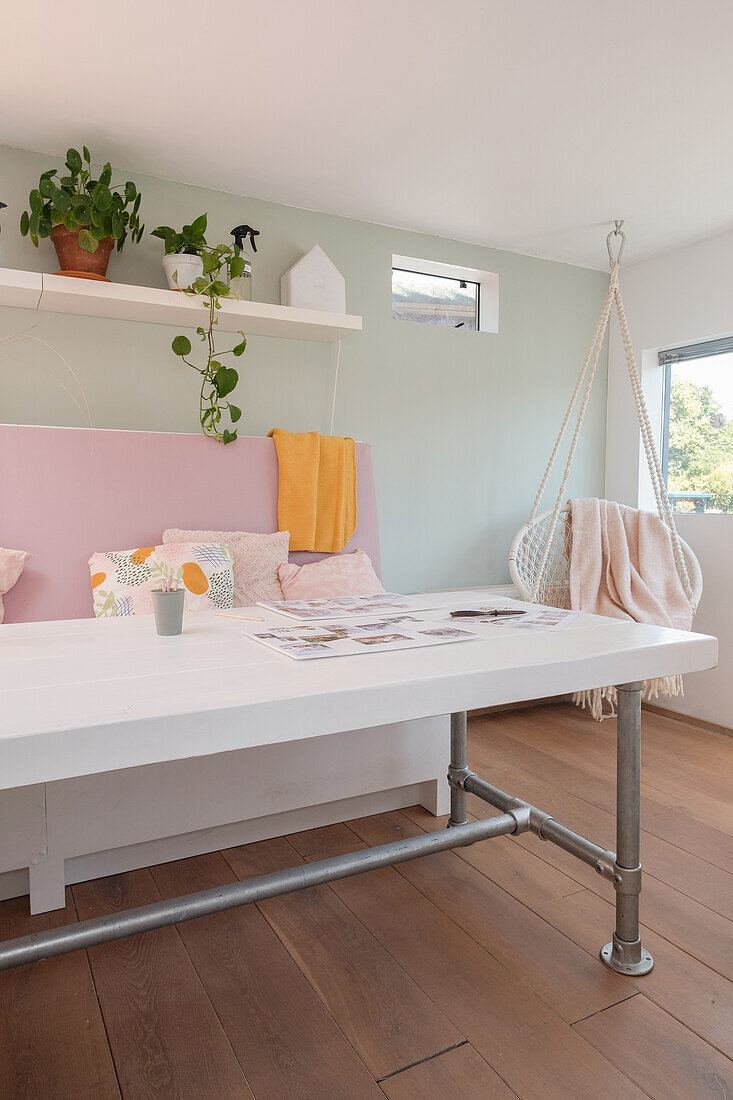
x=68, y=492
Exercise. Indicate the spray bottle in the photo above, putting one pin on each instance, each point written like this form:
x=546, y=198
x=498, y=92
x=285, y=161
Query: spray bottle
x=241, y=286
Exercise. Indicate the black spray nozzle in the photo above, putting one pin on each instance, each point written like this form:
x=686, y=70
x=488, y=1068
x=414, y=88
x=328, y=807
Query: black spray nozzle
x=242, y=232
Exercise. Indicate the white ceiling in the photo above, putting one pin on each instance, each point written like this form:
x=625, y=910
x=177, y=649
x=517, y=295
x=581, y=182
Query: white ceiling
x=524, y=124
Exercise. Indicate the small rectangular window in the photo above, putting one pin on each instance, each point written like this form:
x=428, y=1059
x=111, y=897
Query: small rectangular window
x=435, y=299
x=446, y=295
x=697, y=438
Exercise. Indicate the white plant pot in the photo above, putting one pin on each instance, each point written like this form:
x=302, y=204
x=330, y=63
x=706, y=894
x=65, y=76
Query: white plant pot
x=181, y=269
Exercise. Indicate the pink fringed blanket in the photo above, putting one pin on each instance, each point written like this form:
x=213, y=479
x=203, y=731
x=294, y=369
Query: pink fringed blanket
x=622, y=565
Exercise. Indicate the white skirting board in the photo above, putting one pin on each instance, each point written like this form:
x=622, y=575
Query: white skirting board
x=69, y=831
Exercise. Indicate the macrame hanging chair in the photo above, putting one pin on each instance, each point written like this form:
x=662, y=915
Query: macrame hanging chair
x=539, y=557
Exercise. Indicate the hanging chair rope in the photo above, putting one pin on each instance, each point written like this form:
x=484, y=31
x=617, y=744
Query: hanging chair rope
x=585, y=384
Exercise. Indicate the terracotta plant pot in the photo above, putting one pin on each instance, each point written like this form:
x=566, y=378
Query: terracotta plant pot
x=74, y=260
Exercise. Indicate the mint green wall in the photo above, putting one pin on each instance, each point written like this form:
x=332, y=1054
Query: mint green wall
x=461, y=423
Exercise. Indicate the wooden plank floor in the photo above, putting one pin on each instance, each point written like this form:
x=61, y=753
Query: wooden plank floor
x=472, y=973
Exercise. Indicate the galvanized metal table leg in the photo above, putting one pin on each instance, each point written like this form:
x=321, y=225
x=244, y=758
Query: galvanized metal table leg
x=458, y=769
x=625, y=954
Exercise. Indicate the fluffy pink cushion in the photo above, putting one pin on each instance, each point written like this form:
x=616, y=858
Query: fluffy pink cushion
x=257, y=559
x=11, y=566
x=339, y=575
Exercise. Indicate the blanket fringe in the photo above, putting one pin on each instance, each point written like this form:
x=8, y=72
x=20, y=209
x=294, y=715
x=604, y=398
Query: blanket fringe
x=596, y=699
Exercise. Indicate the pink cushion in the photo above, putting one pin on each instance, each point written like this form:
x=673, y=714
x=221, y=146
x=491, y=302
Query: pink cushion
x=340, y=575
x=122, y=580
x=11, y=566
x=257, y=559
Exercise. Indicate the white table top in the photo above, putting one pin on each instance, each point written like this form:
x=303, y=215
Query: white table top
x=87, y=695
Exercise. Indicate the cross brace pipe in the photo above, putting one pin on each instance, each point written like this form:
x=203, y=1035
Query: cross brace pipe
x=545, y=826
x=72, y=937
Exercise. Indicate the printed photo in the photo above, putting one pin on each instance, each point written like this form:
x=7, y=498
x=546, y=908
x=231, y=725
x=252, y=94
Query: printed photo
x=383, y=639
x=447, y=632
x=302, y=649
x=318, y=638
x=369, y=628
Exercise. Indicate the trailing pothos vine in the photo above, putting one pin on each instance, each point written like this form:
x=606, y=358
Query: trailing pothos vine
x=217, y=379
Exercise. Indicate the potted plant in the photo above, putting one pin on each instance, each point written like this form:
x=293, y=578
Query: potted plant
x=182, y=261
x=217, y=379
x=83, y=216
x=168, y=601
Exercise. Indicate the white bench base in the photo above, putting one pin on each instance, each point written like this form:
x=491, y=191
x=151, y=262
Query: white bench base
x=58, y=833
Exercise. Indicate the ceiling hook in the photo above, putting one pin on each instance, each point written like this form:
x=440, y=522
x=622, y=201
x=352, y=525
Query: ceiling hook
x=617, y=232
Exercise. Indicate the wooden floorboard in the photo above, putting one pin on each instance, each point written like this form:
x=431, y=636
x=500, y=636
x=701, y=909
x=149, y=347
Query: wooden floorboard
x=471, y=973
x=52, y=1038
x=164, y=1034
x=387, y=1017
x=662, y=1056
x=458, y=1072
x=279, y=1029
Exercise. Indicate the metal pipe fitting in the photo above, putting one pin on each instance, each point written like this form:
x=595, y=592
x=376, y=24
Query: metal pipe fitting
x=457, y=777
x=627, y=880
x=606, y=865
x=523, y=818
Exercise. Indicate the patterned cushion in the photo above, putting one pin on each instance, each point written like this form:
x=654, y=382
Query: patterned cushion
x=122, y=580
x=339, y=575
x=257, y=559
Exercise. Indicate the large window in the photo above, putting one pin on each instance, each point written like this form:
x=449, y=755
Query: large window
x=697, y=451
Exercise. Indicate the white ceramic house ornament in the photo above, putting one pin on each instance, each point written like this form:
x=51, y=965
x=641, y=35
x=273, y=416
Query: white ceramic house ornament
x=314, y=282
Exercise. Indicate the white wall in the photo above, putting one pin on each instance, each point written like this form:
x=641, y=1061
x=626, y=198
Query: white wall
x=678, y=298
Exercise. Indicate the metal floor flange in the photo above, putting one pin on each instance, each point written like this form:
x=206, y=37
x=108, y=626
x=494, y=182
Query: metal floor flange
x=624, y=954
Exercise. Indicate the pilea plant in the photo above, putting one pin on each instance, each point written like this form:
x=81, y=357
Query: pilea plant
x=95, y=207
x=191, y=240
x=217, y=379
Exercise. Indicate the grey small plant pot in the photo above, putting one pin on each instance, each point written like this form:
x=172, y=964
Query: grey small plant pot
x=168, y=609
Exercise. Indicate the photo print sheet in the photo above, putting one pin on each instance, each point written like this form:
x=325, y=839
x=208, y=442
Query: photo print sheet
x=350, y=639
x=344, y=607
x=534, y=618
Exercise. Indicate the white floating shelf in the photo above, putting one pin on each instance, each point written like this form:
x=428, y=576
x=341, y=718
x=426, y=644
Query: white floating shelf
x=20, y=288
x=65, y=294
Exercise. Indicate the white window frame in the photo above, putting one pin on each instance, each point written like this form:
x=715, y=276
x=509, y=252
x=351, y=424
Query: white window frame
x=665, y=360
x=488, y=284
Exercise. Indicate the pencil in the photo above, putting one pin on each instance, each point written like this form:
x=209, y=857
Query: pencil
x=230, y=615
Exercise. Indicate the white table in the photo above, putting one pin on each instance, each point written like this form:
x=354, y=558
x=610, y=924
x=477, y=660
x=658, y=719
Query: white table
x=84, y=697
